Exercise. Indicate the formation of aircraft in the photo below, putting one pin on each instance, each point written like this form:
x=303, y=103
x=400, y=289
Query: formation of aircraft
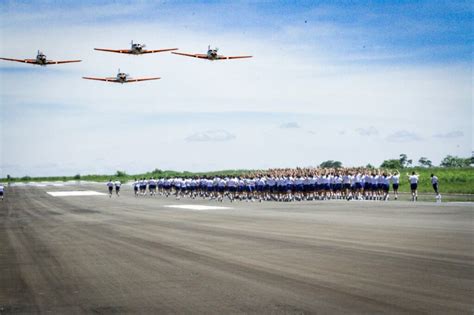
x=122, y=78
x=40, y=60
x=211, y=55
x=135, y=49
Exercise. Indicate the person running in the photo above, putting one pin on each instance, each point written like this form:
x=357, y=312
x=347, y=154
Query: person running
x=143, y=184
x=110, y=185
x=2, y=188
x=413, y=179
x=117, y=185
x=395, y=177
x=386, y=186
x=136, y=184
x=152, y=186
x=434, y=182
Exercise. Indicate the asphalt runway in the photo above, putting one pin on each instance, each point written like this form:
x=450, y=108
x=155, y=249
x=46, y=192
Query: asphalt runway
x=93, y=254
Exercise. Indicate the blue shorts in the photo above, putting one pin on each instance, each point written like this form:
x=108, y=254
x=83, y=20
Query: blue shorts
x=413, y=186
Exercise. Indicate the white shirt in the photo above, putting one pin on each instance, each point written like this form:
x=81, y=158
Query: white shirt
x=346, y=179
x=395, y=179
x=117, y=183
x=110, y=184
x=2, y=188
x=434, y=180
x=413, y=179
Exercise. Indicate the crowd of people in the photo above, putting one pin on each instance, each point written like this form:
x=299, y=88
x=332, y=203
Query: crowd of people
x=283, y=185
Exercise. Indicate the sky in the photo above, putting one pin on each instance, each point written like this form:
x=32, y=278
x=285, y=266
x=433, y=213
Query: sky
x=354, y=81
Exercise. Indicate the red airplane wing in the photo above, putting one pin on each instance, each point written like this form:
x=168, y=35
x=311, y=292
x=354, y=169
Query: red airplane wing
x=21, y=60
x=191, y=55
x=120, y=51
x=52, y=62
x=142, y=79
x=101, y=79
x=232, y=57
x=157, y=50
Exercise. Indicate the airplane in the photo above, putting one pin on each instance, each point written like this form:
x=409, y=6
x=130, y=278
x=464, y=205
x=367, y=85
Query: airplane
x=40, y=60
x=135, y=49
x=211, y=55
x=122, y=78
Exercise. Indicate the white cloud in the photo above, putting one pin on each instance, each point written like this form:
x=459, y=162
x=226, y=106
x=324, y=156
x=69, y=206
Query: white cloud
x=449, y=135
x=403, y=136
x=211, y=135
x=370, y=131
x=290, y=125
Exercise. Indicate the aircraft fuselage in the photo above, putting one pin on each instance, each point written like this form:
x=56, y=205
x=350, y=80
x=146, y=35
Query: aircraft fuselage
x=212, y=54
x=41, y=59
x=137, y=49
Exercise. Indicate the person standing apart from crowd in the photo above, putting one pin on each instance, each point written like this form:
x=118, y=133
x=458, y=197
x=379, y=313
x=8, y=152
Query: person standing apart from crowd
x=434, y=182
x=395, y=183
x=2, y=189
x=117, y=187
x=110, y=185
x=413, y=179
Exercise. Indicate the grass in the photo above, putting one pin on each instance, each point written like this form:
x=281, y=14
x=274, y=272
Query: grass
x=451, y=180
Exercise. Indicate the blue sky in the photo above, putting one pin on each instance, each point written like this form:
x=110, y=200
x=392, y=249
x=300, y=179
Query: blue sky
x=356, y=81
